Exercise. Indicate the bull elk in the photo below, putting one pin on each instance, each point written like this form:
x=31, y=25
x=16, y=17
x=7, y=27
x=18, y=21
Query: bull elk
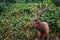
x=42, y=27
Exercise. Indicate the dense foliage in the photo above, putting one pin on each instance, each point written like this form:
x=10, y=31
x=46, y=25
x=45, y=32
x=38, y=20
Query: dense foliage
x=15, y=19
x=56, y=2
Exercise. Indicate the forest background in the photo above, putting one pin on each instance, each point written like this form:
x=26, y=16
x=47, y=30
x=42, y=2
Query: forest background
x=15, y=17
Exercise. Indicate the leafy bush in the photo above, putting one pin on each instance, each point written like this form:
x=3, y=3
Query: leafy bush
x=15, y=20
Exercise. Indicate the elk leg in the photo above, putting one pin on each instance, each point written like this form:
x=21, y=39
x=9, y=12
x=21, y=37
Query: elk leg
x=41, y=37
x=38, y=35
x=46, y=30
x=45, y=36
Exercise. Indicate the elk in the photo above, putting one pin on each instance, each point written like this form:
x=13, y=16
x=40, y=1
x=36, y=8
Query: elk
x=42, y=27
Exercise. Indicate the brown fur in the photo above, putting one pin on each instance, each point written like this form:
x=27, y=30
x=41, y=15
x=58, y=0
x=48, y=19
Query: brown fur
x=43, y=29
